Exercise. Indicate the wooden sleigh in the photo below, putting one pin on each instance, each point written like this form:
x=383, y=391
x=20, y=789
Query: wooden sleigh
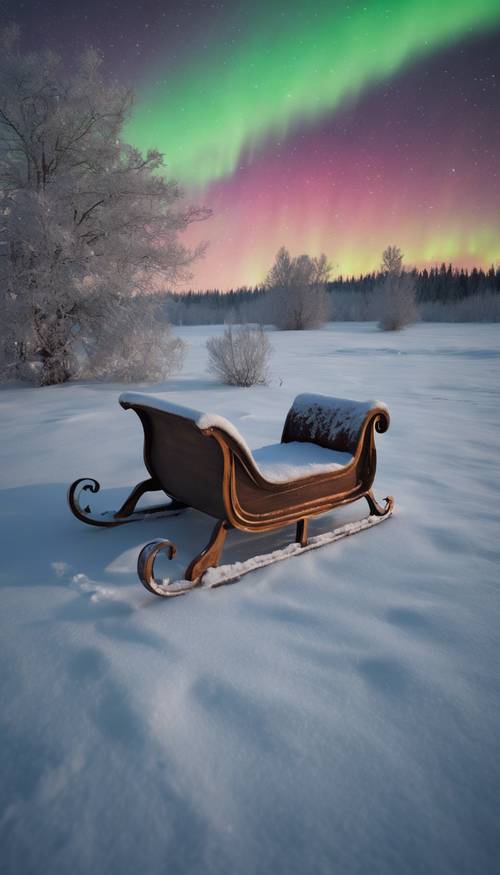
x=326, y=459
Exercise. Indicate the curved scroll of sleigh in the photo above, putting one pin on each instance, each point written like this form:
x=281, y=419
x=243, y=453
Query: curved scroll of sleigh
x=326, y=459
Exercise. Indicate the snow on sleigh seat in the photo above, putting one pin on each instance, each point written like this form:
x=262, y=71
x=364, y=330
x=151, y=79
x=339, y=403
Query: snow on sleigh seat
x=326, y=458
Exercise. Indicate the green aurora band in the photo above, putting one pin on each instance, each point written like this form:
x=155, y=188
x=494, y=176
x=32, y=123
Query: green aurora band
x=292, y=69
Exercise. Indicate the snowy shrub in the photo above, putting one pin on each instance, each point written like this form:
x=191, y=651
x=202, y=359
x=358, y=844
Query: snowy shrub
x=396, y=300
x=298, y=291
x=241, y=356
x=131, y=343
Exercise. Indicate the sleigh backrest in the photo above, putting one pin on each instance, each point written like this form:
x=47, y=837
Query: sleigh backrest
x=179, y=451
x=334, y=423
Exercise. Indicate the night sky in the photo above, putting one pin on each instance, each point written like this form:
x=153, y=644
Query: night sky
x=324, y=126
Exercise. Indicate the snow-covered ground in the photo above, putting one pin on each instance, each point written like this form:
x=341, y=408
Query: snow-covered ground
x=336, y=713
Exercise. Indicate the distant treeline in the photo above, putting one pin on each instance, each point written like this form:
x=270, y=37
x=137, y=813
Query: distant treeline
x=444, y=283
x=441, y=293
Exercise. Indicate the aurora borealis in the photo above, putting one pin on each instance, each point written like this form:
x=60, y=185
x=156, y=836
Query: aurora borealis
x=323, y=126
x=291, y=69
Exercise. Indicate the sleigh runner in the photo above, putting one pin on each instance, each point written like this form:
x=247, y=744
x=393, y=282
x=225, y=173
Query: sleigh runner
x=326, y=459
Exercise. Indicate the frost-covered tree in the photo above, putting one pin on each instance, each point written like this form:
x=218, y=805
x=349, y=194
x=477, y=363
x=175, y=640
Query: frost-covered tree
x=397, y=293
x=298, y=290
x=392, y=261
x=87, y=222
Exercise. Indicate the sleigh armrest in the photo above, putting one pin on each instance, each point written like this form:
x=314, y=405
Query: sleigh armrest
x=334, y=423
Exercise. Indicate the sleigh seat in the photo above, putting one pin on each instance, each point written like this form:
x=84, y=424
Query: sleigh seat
x=326, y=458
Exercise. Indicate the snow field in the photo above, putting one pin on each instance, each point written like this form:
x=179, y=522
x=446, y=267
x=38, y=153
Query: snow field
x=335, y=713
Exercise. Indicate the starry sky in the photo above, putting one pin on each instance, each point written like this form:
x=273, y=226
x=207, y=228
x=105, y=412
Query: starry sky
x=328, y=126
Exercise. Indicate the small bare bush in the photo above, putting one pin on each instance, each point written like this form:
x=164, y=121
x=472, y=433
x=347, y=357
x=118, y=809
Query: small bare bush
x=241, y=356
x=397, y=302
